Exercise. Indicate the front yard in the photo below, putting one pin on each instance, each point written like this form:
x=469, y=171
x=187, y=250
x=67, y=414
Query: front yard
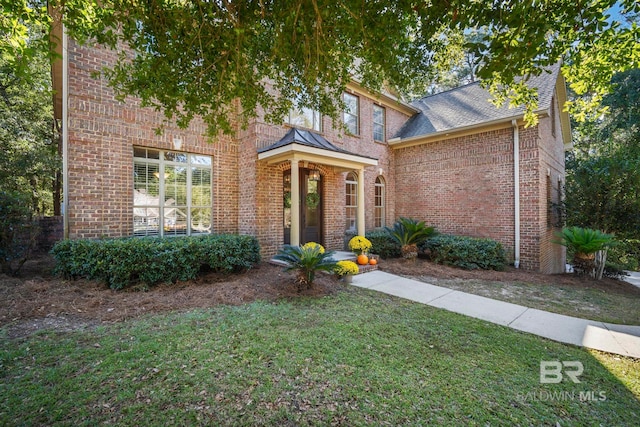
x=342, y=356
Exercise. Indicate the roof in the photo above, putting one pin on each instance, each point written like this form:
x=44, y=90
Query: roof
x=304, y=145
x=309, y=139
x=470, y=105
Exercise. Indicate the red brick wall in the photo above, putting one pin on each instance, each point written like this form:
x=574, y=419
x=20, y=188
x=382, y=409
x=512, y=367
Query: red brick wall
x=102, y=133
x=263, y=213
x=465, y=186
x=462, y=186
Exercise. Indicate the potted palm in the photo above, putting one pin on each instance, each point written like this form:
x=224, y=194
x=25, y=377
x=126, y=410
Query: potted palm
x=409, y=233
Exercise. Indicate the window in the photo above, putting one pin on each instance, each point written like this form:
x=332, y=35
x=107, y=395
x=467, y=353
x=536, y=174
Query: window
x=378, y=214
x=351, y=112
x=172, y=193
x=306, y=118
x=378, y=123
x=351, y=203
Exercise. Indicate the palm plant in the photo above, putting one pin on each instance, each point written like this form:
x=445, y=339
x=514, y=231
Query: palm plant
x=584, y=243
x=409, y=233
x=306, y=260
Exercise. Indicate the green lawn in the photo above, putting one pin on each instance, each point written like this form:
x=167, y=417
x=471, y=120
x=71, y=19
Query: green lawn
x=354, y=358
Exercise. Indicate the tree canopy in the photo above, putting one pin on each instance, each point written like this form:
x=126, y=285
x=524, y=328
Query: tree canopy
x=201, y=57
x=603, y=171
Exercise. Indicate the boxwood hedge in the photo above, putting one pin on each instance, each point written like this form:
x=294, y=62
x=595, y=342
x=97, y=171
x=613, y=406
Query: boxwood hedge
x=152, y=260
x=465, y=252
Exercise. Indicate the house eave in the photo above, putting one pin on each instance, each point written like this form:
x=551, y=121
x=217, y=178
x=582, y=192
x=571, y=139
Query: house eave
x=386, y=100
x=294, y=151
x=502, y=123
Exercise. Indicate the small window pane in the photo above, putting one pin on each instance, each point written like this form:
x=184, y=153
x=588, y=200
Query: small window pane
x=172, y=156
x=201, y=160
x=201, y=220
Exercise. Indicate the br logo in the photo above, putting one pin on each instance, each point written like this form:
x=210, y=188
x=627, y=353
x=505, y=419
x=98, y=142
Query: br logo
x=552, y=372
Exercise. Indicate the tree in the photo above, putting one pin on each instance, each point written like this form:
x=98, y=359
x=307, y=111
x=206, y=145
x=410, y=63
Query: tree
x=603, y=172
x=29, y=162
x=28, y=143
x=206, y=58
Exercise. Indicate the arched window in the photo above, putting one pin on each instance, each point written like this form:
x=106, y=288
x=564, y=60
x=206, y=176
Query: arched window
x=379, y=202
x=351, y=204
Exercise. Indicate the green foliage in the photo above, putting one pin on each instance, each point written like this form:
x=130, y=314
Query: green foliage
x=409, y=231
x=306, y=260
x=270, y=54
x=383, y=244
x=469, y=253
x=123, y=262
x=584, y=241
x=603, y=172
x=29, y=160
x=625, y=254
x=17, y=231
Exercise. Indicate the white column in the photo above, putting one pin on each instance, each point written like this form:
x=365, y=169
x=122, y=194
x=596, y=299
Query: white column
x=295, y=203
x=360, y=214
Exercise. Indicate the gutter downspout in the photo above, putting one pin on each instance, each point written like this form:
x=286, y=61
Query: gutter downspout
x=65, y=133
x=516, y=191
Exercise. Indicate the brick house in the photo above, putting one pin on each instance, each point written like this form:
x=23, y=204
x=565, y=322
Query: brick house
x=447, y=159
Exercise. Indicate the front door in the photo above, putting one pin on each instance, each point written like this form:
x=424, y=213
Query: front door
x=310, y=207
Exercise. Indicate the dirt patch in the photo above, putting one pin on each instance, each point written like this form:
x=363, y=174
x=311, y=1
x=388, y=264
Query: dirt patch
x=38, y=300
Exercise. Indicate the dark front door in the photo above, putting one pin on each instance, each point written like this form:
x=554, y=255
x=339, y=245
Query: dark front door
x=310, y=207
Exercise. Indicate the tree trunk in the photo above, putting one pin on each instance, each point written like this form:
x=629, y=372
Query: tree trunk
x=600, y=261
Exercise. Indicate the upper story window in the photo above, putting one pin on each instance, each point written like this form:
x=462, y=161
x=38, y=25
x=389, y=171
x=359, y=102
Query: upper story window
x=306, y=118
x=352, y=113
x=172, y=193
x=378, y=123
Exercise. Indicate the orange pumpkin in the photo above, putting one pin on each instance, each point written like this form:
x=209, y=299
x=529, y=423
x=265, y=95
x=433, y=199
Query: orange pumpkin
x=373, y=261
x=363, y=259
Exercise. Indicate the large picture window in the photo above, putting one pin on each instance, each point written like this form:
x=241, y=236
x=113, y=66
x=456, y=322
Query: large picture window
x=351, y=204
x=172, y=193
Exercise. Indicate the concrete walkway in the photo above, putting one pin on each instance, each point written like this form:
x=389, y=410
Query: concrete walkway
x=618, y=339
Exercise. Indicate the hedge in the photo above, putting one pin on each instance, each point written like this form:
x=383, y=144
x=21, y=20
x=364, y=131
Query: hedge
x=382, y=244
x=465, y=252
x=152, y=260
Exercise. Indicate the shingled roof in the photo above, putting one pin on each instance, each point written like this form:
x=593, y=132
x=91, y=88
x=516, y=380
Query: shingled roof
x=469, y=106
x=309, y=139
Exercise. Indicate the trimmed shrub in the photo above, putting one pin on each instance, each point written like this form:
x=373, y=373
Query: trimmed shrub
x=383, y=244
x=465, y=252
x=152, y=260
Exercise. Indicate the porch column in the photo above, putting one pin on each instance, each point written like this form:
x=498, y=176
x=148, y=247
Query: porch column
x=360, y=213
x=295, y=203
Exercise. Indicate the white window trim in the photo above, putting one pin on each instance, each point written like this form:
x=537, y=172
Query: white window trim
x=161, y=162
x=380, y=184
x=355, y=197
x=383, y=124
x=356, y=114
